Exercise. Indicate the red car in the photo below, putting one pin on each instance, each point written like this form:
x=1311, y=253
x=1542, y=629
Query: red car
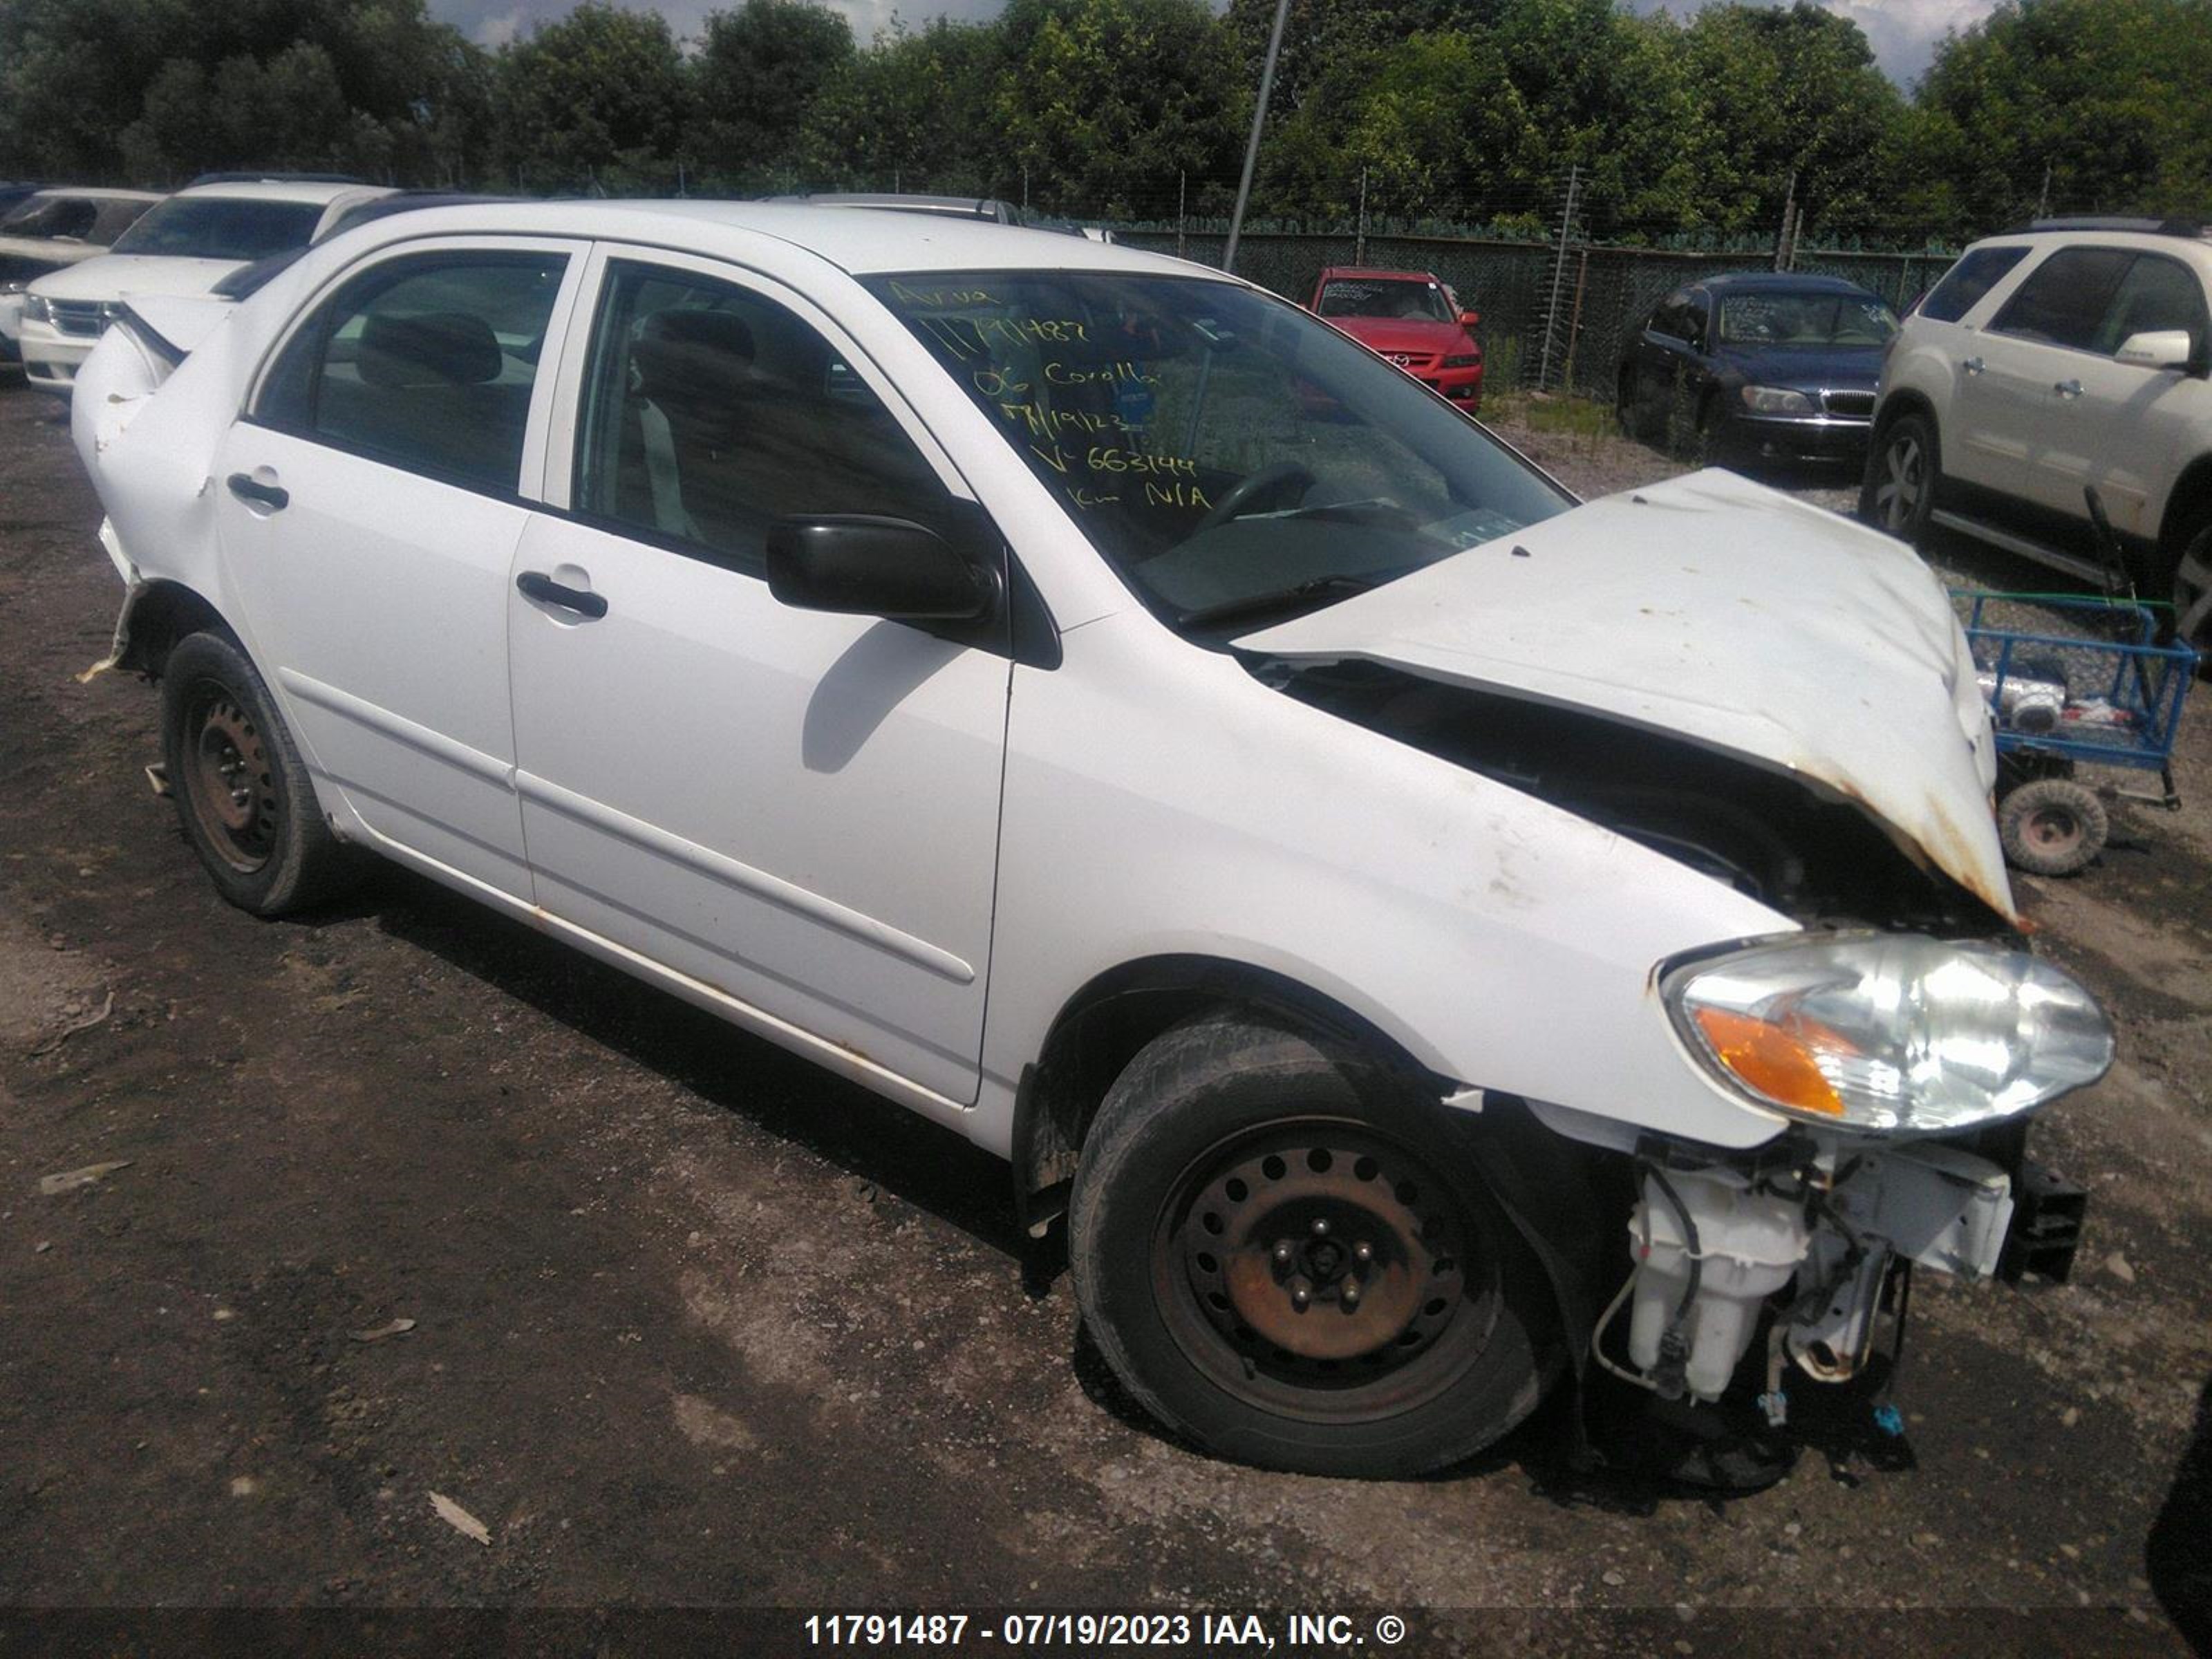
x=1410, y=318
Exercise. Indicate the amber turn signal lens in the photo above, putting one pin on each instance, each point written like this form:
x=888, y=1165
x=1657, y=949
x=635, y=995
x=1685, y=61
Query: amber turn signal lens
x=1769, y=1059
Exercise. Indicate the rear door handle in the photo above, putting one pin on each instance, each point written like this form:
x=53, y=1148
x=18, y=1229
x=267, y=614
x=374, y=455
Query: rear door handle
x=2067, y=389
x=537, y=585
x=247, y=488
x=1973, y=364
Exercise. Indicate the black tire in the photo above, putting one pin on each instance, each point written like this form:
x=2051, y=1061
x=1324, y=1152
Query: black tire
x=2051, y=827
x=1709, y=444
x=1902, y=471
x=2188, y=585
x=1217, y=1151
x=1624, y=406
x=242, y=792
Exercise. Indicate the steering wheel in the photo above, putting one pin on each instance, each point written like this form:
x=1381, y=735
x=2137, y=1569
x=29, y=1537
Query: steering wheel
x=1249, y=492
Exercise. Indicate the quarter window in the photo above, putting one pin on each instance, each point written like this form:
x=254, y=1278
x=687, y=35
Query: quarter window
x=712, y=411
x=426, y=363
x=2064, y=299
x=1967, y=283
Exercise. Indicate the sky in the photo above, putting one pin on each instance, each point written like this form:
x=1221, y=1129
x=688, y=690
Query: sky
x=1903, y=32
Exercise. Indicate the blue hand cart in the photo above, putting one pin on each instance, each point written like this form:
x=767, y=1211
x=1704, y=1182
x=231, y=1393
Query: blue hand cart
x=2073, y=681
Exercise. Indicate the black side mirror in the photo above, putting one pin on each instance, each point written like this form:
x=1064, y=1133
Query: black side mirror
x=859, y=564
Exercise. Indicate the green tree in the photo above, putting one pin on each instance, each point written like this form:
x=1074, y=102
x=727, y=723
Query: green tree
x=758, y=75
x=2107, y=96
x=912, y=111
x=598, y=98
x=1105, y=102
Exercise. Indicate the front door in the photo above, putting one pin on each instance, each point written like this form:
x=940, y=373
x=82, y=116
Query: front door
x=367, y=506
x=798, y=810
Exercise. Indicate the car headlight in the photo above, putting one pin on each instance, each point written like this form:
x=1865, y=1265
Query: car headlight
x=1776, y=400
x=1889, y=1031
x=37, y=308
x=1468, y=361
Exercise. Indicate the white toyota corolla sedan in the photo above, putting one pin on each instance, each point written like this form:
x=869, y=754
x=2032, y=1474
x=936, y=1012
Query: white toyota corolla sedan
x=1428, y=934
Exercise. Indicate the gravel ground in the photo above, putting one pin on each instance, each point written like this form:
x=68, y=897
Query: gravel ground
x=694, y=1325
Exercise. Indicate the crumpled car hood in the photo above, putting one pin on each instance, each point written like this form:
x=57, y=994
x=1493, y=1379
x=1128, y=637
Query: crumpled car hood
x=1727, y=614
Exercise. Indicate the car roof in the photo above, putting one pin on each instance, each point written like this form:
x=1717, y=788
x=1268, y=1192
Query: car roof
x=279, y=189
x=861, y=241
x=94, y=192
x=1777, y=281
x=1379, y=273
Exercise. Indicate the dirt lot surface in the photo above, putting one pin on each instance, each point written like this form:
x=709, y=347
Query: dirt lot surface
x=695, y=1324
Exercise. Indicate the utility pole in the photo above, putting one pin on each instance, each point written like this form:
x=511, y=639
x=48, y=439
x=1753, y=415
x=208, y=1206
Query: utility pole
x=1182, y=205
x=1360, y=243
x=2043, y=201
x=1559, y=274
x=1782, y=250
x=1025, y=189
x=1258, y=121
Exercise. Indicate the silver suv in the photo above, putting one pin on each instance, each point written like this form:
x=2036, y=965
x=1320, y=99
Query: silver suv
x=2069, y=357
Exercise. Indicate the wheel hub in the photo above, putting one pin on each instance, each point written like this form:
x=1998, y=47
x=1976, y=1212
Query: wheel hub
x=1318, y=1248
x=230, y=786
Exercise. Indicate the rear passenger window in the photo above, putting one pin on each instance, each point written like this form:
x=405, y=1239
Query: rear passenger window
x=1967, y=283
x=2063, y=301
x=426, y=363
x=712, y=411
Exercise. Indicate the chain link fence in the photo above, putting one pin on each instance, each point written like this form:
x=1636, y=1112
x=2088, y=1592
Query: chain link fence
x=1605, y=293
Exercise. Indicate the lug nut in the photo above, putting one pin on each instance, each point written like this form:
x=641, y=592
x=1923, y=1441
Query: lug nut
x=1350, y=1294
x=1283, y=1255
x=1363, y=1253
x=1321, y=1227
x=1300, y=1297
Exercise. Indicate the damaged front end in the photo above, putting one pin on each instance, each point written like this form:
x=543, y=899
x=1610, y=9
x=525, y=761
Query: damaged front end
x=1805, y=733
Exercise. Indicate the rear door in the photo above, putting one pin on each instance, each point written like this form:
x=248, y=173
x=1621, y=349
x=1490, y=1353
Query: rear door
x=2019, y=407
x=369, y=508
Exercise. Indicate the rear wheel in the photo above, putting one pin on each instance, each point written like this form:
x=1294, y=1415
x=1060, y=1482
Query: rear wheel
x=242, y=792
x=1285, y=1254
x=2051, y=826
x=1898, y=491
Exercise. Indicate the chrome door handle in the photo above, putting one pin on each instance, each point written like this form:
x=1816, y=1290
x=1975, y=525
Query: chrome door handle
x=2068, y=389
x=1973, y=364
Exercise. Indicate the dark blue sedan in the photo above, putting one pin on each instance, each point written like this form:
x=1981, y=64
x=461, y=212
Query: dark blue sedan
x=1761, y=366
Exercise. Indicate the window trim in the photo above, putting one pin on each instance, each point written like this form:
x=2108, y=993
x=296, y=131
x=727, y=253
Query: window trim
x=560, y=319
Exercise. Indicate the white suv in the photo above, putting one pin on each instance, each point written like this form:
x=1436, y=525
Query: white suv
x=1103, y=708
x=185, y=245
x=2072, y=355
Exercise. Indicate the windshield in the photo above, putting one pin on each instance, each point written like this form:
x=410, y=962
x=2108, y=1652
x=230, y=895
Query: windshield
x=220, y=228
x=1217, y=444
x=1372, y=296
x=51, y=216
x=1805, y=320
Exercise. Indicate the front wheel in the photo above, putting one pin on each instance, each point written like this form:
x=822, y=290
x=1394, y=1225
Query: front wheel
x=2191, y=589
x=1898, y=491
x=1285, y=1254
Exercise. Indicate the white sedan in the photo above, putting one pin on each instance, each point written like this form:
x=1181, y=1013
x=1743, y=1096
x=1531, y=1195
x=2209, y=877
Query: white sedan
x=1428, y=934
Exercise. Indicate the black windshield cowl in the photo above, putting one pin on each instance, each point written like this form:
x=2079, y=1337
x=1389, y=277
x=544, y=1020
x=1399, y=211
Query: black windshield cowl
x=1283, y=598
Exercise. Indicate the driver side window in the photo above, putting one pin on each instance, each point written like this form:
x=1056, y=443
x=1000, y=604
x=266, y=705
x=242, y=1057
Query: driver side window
x=711, y=411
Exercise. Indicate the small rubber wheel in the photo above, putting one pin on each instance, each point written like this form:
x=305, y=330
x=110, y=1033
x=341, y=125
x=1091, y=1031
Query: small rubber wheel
x=2051, y=827
x=1898, y=493
x=242, y=792
x=1285, y=1253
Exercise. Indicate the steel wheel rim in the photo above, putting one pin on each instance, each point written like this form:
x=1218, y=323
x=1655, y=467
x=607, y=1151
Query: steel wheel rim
x=2192, y=587
x=1422, y=1300
x=229, y=779
x=1897, y=497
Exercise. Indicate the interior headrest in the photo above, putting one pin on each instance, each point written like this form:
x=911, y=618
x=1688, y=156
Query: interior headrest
x=446, y=348
x=693, y=356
